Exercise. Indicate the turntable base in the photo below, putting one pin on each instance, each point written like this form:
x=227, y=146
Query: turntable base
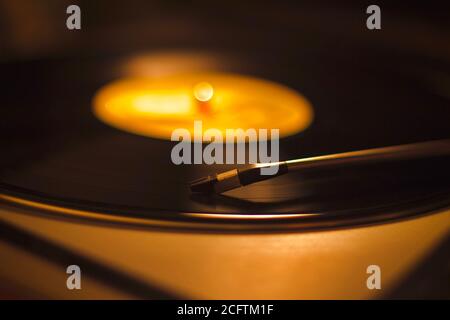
x=119, y=262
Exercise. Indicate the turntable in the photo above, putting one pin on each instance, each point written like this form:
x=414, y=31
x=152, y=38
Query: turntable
x=87, y=177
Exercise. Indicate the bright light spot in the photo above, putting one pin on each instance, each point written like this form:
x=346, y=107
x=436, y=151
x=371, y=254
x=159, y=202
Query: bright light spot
x=162, y=103
x=203, y=91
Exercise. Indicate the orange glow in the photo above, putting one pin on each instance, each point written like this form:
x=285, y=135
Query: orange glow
x=251, y=216
x=154, y=107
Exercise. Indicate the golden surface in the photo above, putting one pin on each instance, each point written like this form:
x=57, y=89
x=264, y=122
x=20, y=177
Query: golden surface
x=154, y=107
x=306, y=265
x=26, y=276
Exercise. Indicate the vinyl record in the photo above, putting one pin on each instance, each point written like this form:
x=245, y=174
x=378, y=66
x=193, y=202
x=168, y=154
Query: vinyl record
x=58, y=153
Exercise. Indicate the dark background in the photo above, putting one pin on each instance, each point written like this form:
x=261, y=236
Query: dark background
x=34, y=28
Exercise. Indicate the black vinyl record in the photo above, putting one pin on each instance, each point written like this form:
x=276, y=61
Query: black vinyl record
x=55, y=151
